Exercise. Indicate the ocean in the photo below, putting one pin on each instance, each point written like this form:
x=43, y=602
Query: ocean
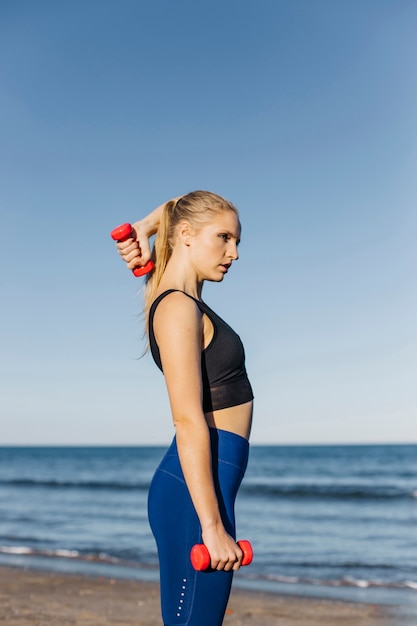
x=333, y=521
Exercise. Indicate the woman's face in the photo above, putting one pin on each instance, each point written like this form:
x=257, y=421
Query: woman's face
x=213, y=247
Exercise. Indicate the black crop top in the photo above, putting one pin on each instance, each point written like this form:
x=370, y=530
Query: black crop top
x=225, y=382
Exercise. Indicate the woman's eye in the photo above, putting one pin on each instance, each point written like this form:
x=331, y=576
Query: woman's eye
x=224, y=236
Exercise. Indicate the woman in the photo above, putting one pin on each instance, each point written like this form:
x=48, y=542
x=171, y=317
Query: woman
x=191, y=498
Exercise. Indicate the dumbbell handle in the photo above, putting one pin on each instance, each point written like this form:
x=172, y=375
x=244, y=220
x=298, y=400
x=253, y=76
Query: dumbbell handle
x=200, y=557
x=123, y=232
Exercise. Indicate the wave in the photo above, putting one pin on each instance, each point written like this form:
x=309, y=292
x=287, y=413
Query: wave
x=358, y=492
x=63, y=553
x=345, y=581
x=258, y=489
x=74, y=484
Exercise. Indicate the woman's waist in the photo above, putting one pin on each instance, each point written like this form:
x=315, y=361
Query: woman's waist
x=236, y=420
x=226, y=447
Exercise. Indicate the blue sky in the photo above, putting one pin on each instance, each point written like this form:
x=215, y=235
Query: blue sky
x=304, y=114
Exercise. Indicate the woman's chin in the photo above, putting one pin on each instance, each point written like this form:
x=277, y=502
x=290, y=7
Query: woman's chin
x=215, y=279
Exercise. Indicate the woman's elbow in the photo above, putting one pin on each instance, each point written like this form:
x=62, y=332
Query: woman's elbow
x=189, y=420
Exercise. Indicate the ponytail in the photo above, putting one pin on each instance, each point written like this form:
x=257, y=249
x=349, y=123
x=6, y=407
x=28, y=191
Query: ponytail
x=161, y=254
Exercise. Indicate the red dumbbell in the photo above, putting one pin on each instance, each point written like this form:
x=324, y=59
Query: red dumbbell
x=124, y=232
x=200, y=557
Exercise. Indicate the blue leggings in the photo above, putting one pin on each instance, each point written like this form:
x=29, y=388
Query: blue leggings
x=190, y=598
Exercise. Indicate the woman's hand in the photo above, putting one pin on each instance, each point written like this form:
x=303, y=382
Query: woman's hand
x=135, y=250
x=224, y=552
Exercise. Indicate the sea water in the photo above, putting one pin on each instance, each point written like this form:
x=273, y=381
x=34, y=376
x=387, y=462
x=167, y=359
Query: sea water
x=334, y=521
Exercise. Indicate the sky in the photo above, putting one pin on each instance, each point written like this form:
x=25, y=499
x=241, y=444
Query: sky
x=304, y=115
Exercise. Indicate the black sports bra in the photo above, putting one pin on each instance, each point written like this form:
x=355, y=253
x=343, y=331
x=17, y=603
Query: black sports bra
x=225, y=381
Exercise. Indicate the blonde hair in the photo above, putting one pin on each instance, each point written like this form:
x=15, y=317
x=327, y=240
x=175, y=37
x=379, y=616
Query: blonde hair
x=197, y=208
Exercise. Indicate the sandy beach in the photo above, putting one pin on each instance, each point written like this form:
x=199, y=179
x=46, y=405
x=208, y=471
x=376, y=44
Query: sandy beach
x=35, y=598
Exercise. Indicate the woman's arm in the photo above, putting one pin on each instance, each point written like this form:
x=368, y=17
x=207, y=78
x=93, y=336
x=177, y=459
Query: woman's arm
x=178, y=331
x=136, y=250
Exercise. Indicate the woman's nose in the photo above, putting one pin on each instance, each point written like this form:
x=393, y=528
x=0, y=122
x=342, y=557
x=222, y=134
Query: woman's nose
x=233, y=252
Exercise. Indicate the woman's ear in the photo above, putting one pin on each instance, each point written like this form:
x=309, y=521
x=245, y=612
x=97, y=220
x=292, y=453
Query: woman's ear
x=185, y=233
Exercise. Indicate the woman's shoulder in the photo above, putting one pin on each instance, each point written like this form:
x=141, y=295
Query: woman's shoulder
x=161, y=296
x=175, y=318
x=174, y=300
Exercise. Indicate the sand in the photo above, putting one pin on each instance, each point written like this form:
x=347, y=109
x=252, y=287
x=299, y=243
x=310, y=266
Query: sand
x=37, y=598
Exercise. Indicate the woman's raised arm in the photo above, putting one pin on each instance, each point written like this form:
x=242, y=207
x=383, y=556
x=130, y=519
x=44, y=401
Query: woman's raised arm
x=135, y=250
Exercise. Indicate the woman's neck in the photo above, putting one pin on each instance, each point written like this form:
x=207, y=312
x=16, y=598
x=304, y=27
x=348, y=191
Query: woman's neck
x=181, y=278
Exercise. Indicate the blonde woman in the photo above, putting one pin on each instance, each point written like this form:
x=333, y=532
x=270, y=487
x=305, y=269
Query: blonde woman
x=192, y=495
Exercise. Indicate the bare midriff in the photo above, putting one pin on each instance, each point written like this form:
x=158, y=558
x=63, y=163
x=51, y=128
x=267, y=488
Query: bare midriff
x=235, y=419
